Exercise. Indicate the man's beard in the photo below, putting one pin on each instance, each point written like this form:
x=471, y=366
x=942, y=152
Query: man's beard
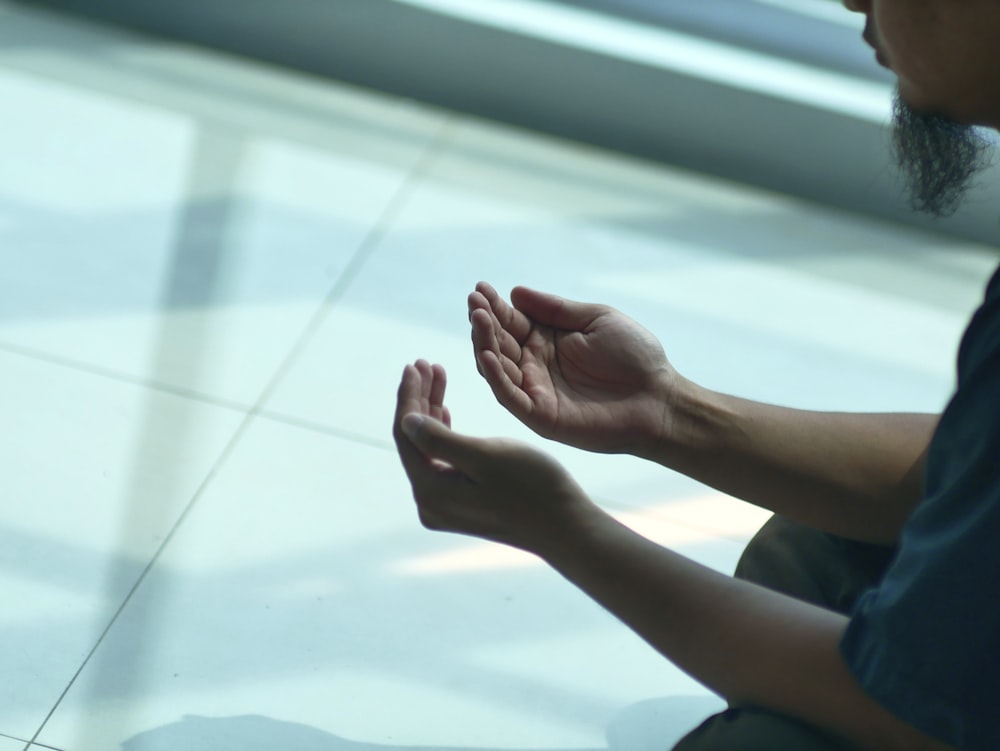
x=937, y=157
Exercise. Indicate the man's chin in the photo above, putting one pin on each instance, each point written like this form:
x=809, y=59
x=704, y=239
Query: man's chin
x=913, y=102
x=937, y=156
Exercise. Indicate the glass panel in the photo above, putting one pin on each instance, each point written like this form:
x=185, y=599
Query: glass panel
x=816, y=32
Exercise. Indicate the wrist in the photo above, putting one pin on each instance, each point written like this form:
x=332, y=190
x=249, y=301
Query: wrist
x=689, y=422
x=674, y=422
x=579, y=529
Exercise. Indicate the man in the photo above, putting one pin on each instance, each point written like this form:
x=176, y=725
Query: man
x=866, y=614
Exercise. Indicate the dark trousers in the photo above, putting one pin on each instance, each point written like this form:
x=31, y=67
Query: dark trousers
x=813, y=566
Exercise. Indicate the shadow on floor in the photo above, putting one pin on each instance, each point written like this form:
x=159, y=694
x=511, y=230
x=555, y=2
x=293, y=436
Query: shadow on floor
x=651, y=725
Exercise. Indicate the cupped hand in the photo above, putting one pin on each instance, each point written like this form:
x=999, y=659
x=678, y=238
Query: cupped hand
x=583, y=374
x=495, y=489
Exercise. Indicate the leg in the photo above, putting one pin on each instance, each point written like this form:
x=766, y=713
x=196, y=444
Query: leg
x=810, y=565
x=749, y=729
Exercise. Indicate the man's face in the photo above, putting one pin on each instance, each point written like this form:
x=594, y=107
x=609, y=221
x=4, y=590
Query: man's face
x=946, y=56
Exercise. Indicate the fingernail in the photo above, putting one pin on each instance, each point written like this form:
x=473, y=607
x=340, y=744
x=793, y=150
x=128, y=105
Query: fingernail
x=412, y=423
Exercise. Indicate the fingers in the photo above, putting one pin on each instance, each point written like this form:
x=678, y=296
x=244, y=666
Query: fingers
x=555, y=311
x=408, y=401
x=408, y=396
x=437, y=441
x=438, y=381
x=503, y=375
x=499, y=329
x=421, y=391
x=510, y=328
x=531, y=307
x=485, y=340
x=515, y=399
x=489, y=334
x=509, y=319
x=421, y=395
x=498, y=332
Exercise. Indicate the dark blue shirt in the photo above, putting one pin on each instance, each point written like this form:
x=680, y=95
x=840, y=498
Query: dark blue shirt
x=925, y=643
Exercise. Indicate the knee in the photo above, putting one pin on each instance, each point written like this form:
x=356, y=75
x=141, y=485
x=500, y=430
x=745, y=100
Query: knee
x=778, y=546
x=750, y=729
x=791, y=558
x=812, y=565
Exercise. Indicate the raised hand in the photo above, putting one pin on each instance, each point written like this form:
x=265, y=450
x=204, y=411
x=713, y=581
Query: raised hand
x=582, y=374
x=496, y=489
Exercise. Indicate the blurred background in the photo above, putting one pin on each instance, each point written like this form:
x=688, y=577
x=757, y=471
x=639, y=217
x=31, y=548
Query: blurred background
x=226, y=225
x=777, y=93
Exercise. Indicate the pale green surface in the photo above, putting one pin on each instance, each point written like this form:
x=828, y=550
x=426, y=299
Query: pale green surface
x=187, y=239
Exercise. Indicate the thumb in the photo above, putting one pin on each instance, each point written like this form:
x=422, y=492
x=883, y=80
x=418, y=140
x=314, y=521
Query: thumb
x=555, y=311
x=438, y=441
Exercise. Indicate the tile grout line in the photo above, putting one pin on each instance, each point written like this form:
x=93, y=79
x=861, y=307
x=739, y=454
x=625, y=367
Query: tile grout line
x=31, y=746
x=122, y=377
x=392, y=209
x=4, y=736
x=206, y=481
x=190, y=394
x=365, y=250
x=326, y=430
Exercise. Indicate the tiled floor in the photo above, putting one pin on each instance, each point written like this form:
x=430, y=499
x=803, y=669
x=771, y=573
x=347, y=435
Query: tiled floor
x=213, y=273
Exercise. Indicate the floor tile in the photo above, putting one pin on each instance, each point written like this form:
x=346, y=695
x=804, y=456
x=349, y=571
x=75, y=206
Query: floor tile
x=176, y=216
x=96, y=474
x=302, y=596
x=9, y=744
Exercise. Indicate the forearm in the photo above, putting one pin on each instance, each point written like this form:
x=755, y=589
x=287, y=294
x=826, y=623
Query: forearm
x=748, y=644
x=857, y=475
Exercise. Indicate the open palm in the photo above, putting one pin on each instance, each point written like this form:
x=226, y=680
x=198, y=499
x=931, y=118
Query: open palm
x=586, y=375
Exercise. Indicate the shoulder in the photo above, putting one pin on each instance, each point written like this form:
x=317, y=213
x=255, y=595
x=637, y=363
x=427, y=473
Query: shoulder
x=968, y=436
x=982, y=337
